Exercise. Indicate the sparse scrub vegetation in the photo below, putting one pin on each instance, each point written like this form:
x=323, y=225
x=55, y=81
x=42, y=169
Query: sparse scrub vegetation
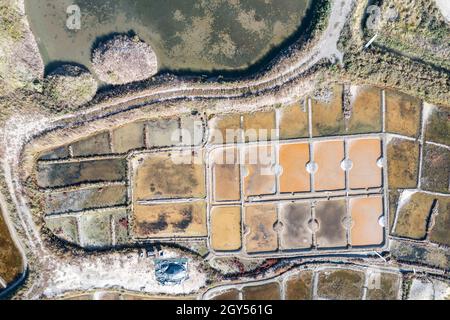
x=70, y=86
x=11, y=25
x=390, y=68
x=419, y=31
x=20, y=62
x=123, y=60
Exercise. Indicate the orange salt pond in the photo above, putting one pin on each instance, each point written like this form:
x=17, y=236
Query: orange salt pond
x=364, y=154
x=365, y=212
x=328, y=156
x=226, y=174
x=293, y=160
x=226, y=228
x=259, y=176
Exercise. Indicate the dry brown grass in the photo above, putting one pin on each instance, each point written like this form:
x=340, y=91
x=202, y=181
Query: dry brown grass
x=10, y=258
x=403, y=163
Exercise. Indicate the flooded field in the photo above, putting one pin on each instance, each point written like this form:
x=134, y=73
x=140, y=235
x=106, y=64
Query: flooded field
x=193, y=35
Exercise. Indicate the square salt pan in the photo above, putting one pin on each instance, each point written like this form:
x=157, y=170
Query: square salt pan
x=269, y=291
x=259, y=126
x=191, y=131
x=328, y=156
x=226, y=174
x=226, y=228
x=128, y=137
x=259, y=176
x=293, y=122
x=168, y=175
x=170, y=220
x=225, y=128
x=261, y=236
x=330, y=215
x=95, y=145
x=295, y=232
x=163, y=133
x=293, y=160
x=365, y=172
x=366, y=230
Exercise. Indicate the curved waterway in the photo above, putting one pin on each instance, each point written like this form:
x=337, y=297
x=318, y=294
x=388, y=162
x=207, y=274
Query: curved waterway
x=187, y=35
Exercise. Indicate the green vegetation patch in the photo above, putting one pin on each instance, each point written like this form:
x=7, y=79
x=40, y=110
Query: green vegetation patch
x=95, y=230
x=438, y=126
x=419, y=31
x=403, y=163
x=65, y=228
x=435, y=169
x=386, y=288
x=340, y=284
x=440, y=232
x=51, y=175
x=413, y=215
x=299, y=286
x=70, y=86
x=88, y=198
x=418, y=254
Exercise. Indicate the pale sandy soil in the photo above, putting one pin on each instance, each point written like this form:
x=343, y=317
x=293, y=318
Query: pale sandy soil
x=115, y=270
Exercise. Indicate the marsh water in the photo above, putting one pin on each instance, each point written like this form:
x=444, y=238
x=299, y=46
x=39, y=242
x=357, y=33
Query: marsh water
x=187, y=35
